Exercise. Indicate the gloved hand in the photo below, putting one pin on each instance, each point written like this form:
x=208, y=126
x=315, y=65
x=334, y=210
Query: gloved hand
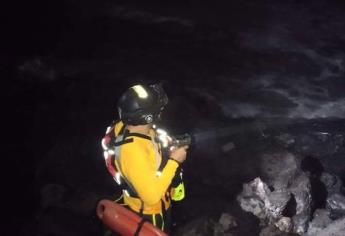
x=179, y=154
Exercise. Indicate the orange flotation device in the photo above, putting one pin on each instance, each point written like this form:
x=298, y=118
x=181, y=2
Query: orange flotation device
x=123, y=221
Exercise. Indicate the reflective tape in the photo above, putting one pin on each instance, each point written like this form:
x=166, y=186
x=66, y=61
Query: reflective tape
x=140, y=91
x=162, y=220
x=108, y=129
x=178, y=193
x=117, y=178
x=111, y=152
x=126, y=192
x=163, y=137
x=104, y=146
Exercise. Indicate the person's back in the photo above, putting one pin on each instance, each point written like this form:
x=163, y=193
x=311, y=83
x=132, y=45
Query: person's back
x=146, y=173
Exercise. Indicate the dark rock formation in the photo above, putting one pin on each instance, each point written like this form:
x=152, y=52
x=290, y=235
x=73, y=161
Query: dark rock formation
x=272, y=230
x=290, y=188
x=257, y=198
x=206, y=226
x=301, y=189
x=336, y=205
x=332, y=183
x=279, y=169
x=295, y=196
x=336, y=228
x=224, y=224
x=321, y=219
x=202, y=226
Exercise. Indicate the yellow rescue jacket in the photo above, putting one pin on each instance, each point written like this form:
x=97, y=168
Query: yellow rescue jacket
x=140, y=160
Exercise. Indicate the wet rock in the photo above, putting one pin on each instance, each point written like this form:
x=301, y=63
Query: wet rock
x=225, y=223
x=202, y=226
x=252, y=198
x=332, y=183
x=321, y=219
x=336, y=205
x=301, y=189
x=279, y=169
x=277, y=202
x=314, y=169
x=336, y=228
x=258, y=199
x=284, y=224
x=288, y=187
x=272, y=230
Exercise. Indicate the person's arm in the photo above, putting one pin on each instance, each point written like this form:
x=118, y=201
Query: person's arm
x=139, y=169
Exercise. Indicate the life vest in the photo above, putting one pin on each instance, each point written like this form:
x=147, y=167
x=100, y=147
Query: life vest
x=112, y=143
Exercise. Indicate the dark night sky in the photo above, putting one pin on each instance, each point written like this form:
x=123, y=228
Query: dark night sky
x=64, y=63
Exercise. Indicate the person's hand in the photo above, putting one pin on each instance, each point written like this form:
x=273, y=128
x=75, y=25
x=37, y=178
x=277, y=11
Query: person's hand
x=179, y=154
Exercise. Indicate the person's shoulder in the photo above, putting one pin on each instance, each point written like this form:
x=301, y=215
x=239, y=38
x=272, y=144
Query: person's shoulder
x=135, y=150
x=135, y=144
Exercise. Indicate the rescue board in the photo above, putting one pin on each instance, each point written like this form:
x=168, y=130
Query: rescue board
x=123, y=221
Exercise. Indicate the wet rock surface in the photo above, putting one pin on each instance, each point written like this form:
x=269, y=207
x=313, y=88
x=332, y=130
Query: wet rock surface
x=336, y=228
x=272, y=230
x=271, y=205
x=321, y=219
x=301, y=190
x=336, y=205
x=258, y=199
x=287, y=202
x=332, y=183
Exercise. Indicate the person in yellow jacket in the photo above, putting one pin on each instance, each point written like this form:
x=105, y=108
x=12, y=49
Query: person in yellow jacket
x=137, y=157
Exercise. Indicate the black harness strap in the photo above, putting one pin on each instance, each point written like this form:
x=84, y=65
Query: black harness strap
x=129, y=187
x=141, y=211
x=123, y=142
x=140, y=226
x=163, y=206
x=143, y=220
x=139, y=135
